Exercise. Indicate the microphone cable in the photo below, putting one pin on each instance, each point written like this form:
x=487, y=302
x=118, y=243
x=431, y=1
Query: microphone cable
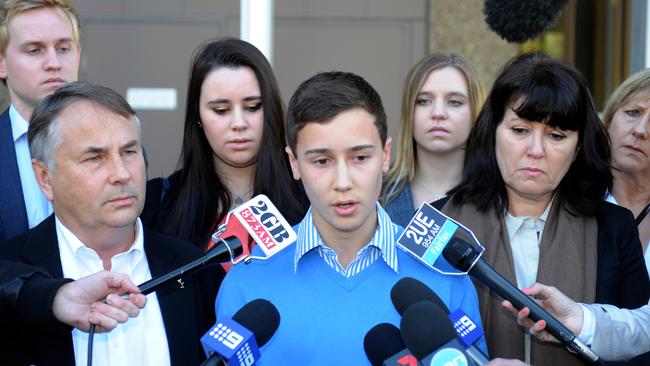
x=91, y=335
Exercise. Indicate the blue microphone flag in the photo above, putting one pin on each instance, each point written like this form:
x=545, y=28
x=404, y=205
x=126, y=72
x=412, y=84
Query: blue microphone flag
x=234, y=343
x=427, y=235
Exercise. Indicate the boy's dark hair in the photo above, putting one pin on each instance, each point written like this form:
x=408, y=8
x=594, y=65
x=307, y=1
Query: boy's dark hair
x=326, y=95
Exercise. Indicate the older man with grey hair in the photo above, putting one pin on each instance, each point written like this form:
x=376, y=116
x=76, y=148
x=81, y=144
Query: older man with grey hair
x=86, y=146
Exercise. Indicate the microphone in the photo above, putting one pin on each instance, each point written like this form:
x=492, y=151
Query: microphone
x=384, y=346
x=226, y=249
x=409, y=291
x=429, y=335
x=264, y=224
x=236, y=341
x=517, y=21
x=464, y=257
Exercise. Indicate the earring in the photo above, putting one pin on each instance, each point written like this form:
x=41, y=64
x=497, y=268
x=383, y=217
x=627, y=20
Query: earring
x=199, y=123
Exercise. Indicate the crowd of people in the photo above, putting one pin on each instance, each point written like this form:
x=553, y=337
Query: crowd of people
x=556, y=195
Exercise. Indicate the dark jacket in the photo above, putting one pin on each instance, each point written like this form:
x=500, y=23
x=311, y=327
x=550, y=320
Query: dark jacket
x=26, y=295
x=13, y=215
x=187, y=312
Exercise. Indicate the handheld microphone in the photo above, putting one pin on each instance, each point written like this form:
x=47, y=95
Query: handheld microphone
x=463, y=256
x=265, y=225
x=384, y=346
x=427, y=332
x=517, y=21
x=226, y=249
x=409, y=291
x=236, y=341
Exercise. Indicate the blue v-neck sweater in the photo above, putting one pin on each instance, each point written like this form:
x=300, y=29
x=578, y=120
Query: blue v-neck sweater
x=324, y=316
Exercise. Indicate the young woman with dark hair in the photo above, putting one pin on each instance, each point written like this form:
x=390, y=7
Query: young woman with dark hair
x=536, y=172
x=233, y=146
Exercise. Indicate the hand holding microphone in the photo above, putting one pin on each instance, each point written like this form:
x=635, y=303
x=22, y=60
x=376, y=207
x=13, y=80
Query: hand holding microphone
x=555, y=302
x=463, y=256
x=431, y=234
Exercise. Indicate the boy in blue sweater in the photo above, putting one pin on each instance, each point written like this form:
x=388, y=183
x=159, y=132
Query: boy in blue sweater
x=334, y=283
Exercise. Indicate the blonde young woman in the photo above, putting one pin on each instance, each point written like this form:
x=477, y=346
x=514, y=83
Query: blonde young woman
x=441, y=99
x=627, y=118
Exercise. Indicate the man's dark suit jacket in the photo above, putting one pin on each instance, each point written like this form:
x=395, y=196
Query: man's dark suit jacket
x=13, y=215
x=187, y=312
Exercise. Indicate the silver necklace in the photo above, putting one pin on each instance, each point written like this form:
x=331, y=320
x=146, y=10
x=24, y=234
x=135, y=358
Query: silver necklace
x=434, y=196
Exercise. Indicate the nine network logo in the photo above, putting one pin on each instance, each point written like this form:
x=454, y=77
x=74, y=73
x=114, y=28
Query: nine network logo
x=464, y=326
x=226, y=336
x=232, y=339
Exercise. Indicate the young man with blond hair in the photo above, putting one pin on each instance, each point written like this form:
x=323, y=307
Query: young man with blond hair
x=39, y=51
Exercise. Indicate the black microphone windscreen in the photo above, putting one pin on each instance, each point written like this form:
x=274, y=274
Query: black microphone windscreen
x=460, y=254
x=518, y=21
x=260, y=317
x=382, y=342
x=408, y=291
x=425, y=327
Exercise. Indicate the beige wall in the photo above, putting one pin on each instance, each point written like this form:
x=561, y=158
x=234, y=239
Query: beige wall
x=458, y=26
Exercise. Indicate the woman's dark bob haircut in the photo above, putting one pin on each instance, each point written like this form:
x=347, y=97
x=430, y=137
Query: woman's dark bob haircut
x=539, y=88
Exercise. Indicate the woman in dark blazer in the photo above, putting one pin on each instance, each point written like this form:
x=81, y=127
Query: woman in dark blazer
x=536, y=172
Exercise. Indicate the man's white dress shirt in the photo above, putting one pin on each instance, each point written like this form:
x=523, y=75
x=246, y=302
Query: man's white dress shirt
x=139, y=341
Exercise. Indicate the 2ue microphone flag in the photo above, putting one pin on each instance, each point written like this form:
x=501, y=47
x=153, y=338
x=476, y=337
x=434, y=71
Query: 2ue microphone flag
x=427, y=234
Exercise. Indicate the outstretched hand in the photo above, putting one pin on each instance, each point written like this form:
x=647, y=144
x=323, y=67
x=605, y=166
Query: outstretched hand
x=567, y=311
x=97, y=299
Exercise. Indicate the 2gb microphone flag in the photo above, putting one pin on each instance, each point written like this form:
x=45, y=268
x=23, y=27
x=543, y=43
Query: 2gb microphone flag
x=427, y=235
x=264, y=223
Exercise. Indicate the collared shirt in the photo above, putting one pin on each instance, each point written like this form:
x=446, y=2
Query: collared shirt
x=525, y=234
x=141, y=340
x=37, y=206
x=382, y=245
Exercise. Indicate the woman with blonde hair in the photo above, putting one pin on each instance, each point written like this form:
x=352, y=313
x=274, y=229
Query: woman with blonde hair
x=627, y=119
x=441, y=99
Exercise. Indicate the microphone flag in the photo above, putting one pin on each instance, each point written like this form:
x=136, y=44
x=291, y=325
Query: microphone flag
x=264, y=223
x=233, y=342
x=429, y=232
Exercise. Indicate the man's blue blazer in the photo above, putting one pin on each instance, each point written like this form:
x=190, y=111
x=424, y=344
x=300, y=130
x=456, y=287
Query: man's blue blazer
x=13, y=215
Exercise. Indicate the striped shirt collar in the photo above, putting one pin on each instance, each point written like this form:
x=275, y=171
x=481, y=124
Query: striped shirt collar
x=383, y=240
